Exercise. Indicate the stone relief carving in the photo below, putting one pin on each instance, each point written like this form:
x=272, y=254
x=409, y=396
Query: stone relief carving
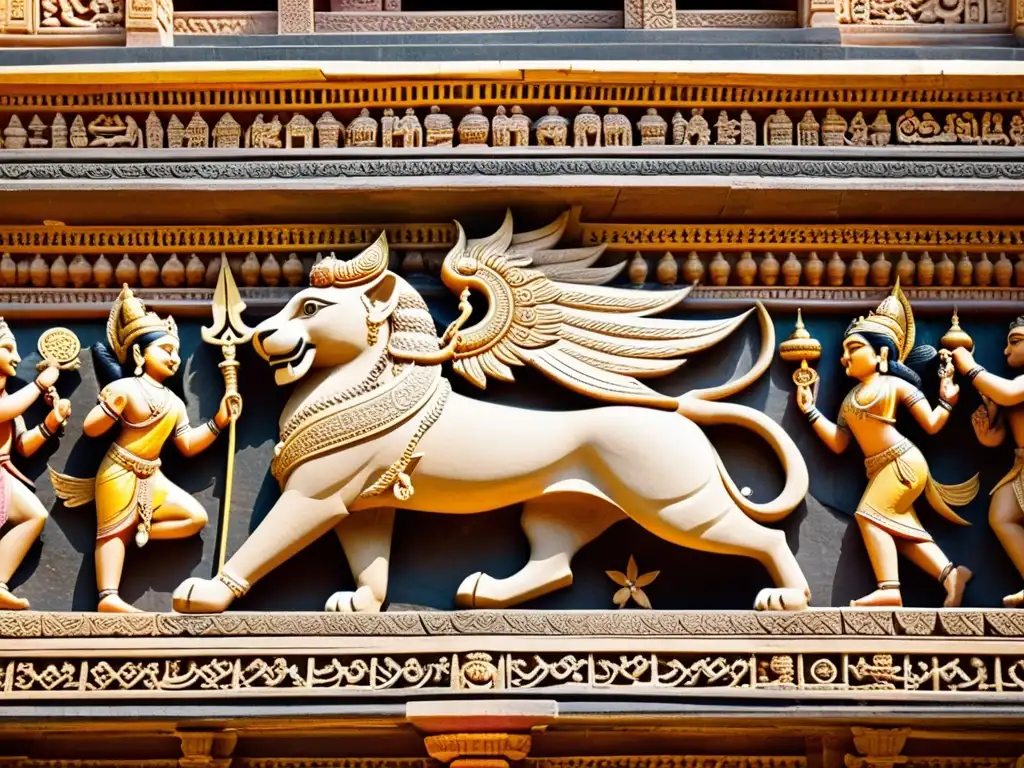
x=392, y=389
x=920, y=12
x=879, y=352
x=18, y=504
x=766, y=674
x=400, y=127
x=134, y=500
x=998, y=417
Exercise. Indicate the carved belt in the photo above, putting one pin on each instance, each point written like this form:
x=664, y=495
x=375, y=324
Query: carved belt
x=1015, y=478
x=879, y=461
x=349, y=422
x=143, y=469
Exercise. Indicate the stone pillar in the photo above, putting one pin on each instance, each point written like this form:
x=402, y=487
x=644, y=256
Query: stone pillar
x=651, y=14
x=818, y=13
x=149, y=23
x=295, y=17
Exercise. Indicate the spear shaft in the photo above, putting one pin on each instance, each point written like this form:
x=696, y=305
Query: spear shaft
x=227, y=331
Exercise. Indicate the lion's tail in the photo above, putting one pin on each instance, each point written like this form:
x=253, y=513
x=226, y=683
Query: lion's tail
x=700, y=407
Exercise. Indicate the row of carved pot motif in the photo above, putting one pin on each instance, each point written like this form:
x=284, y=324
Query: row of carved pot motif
x=719, y=269
x=169, y=272
x=746, y=270
x=514, y=128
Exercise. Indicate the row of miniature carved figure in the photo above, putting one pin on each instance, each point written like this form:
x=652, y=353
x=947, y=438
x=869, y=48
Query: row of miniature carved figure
x=745, y=270
x=587, y=129
x=169, y=272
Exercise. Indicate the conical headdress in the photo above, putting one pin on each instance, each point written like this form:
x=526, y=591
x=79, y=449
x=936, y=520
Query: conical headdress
x=129, y=320
x=5, y=331
x=892, y=318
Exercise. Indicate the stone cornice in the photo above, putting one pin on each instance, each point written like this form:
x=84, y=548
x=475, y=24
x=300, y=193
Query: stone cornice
x=325, y=167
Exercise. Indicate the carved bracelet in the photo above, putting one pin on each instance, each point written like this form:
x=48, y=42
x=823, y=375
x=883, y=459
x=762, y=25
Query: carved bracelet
x=975, y=372
x=813, y=415
x=45, y=430
x=212, y=426
x=42, y=388
x=946, y=404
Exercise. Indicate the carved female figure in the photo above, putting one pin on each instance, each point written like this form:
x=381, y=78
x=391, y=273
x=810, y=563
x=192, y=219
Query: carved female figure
x=878, y=351
x=130, y=491
x=18, y=504
x=1002, y=413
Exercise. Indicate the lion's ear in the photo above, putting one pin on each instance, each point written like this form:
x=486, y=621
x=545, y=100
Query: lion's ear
x=381, y=298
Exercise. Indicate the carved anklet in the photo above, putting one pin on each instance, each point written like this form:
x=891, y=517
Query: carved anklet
x=888, y=585
x=237, y=586
x=105, y=593
x=945, y=572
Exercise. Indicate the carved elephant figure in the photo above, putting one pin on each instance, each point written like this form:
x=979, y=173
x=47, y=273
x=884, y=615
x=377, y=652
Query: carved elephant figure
x=586, y=129
x=617, y=130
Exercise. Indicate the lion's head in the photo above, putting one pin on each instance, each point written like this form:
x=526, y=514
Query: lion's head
x=350, y=307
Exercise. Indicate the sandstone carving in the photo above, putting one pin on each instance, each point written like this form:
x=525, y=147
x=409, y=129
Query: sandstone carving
x=374, y=425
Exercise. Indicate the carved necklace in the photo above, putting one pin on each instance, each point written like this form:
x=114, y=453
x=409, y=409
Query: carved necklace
x=157, y=409
x=875, y=397
x=369, y=384
x=342, y=424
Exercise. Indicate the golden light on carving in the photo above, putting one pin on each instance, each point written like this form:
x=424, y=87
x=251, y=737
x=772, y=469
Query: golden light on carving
x=956, y=337
x=801, y=348
x=632, y=583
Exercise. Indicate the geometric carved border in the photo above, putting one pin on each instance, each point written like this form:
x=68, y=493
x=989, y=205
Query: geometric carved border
x=828, y=622
x=912, y=164
x=791, y=668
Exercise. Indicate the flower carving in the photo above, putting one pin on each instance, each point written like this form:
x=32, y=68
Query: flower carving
x=632, y=583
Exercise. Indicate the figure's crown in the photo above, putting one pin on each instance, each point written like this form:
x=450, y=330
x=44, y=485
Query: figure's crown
x=129, y=320
x=893, y=319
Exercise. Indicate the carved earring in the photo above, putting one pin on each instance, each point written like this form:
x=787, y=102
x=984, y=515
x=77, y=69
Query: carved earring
x=139, y=360
x=372, y=331
x=883, y=364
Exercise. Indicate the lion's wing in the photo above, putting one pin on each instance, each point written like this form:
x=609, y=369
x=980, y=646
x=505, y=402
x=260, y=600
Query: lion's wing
x=593, y=339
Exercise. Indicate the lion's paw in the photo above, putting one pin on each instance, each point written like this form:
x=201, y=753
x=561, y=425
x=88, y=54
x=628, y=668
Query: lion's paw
x=196, y=595
x=781, y=599
x=466, y=595
x=360, y=601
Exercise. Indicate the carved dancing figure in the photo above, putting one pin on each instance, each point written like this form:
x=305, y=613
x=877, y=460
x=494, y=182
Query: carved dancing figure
x=878, y=351
x=1002, y=413
x=20, y=511
x=131, y=494
x=373, y=424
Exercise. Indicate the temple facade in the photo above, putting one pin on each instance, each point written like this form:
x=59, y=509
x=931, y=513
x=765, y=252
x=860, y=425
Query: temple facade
x=573, y=384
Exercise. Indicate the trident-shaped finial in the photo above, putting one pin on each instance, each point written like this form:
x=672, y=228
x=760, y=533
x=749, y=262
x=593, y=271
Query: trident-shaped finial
x=228, y=326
